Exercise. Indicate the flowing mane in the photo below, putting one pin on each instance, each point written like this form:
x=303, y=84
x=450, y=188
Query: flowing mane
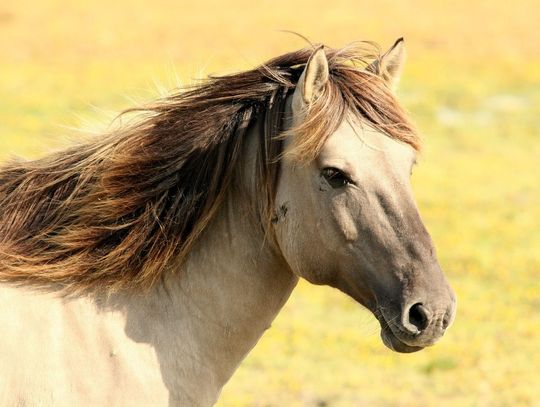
x=116, y=212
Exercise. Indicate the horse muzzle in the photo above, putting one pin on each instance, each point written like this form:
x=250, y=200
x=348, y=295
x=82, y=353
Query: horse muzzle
x=416, y=327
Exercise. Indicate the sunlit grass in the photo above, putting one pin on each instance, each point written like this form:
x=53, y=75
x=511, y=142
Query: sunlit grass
x=472, y=85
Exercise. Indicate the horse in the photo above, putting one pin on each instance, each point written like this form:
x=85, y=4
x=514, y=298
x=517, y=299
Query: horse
x=141, y=266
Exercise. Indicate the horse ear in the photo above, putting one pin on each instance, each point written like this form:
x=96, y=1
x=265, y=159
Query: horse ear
x=390, y=65
x=314, y=78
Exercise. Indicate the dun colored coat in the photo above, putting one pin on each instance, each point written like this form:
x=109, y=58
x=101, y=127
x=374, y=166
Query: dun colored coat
x=141, y=267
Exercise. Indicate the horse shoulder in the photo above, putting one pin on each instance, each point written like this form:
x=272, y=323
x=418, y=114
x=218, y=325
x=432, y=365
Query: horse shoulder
x=57, y=351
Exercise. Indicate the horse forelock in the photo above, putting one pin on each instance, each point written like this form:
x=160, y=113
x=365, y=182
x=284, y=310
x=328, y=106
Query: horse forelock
x=117, y=212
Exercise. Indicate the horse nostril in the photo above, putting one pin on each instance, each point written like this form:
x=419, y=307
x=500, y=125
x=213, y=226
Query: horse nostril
x=445, y=321
x=448, y=317
x=418, y=316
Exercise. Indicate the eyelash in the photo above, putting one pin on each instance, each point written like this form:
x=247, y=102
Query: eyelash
x=335, y=178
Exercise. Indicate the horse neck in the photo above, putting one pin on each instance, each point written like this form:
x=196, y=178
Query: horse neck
x=212, y=312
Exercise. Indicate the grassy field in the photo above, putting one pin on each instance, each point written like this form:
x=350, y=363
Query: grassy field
x=473, y=86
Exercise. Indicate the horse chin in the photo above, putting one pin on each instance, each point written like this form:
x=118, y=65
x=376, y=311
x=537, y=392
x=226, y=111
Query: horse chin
x=393, y=343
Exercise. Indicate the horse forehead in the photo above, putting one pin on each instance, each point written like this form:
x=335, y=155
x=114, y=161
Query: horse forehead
x=359, y=141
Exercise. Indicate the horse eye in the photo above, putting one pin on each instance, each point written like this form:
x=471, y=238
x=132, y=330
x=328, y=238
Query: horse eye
x=335, y=177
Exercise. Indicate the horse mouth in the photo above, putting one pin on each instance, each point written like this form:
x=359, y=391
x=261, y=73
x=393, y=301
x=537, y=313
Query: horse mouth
x=391, y=341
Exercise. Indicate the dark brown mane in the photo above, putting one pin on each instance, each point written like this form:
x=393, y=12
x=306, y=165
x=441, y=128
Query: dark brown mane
x=114, y=213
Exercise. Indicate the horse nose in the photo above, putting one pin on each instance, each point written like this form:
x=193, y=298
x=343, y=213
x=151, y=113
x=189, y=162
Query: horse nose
x=416, y=318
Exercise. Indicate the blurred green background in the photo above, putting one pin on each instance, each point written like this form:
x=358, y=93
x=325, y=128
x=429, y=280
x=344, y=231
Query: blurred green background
x=472, y=84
